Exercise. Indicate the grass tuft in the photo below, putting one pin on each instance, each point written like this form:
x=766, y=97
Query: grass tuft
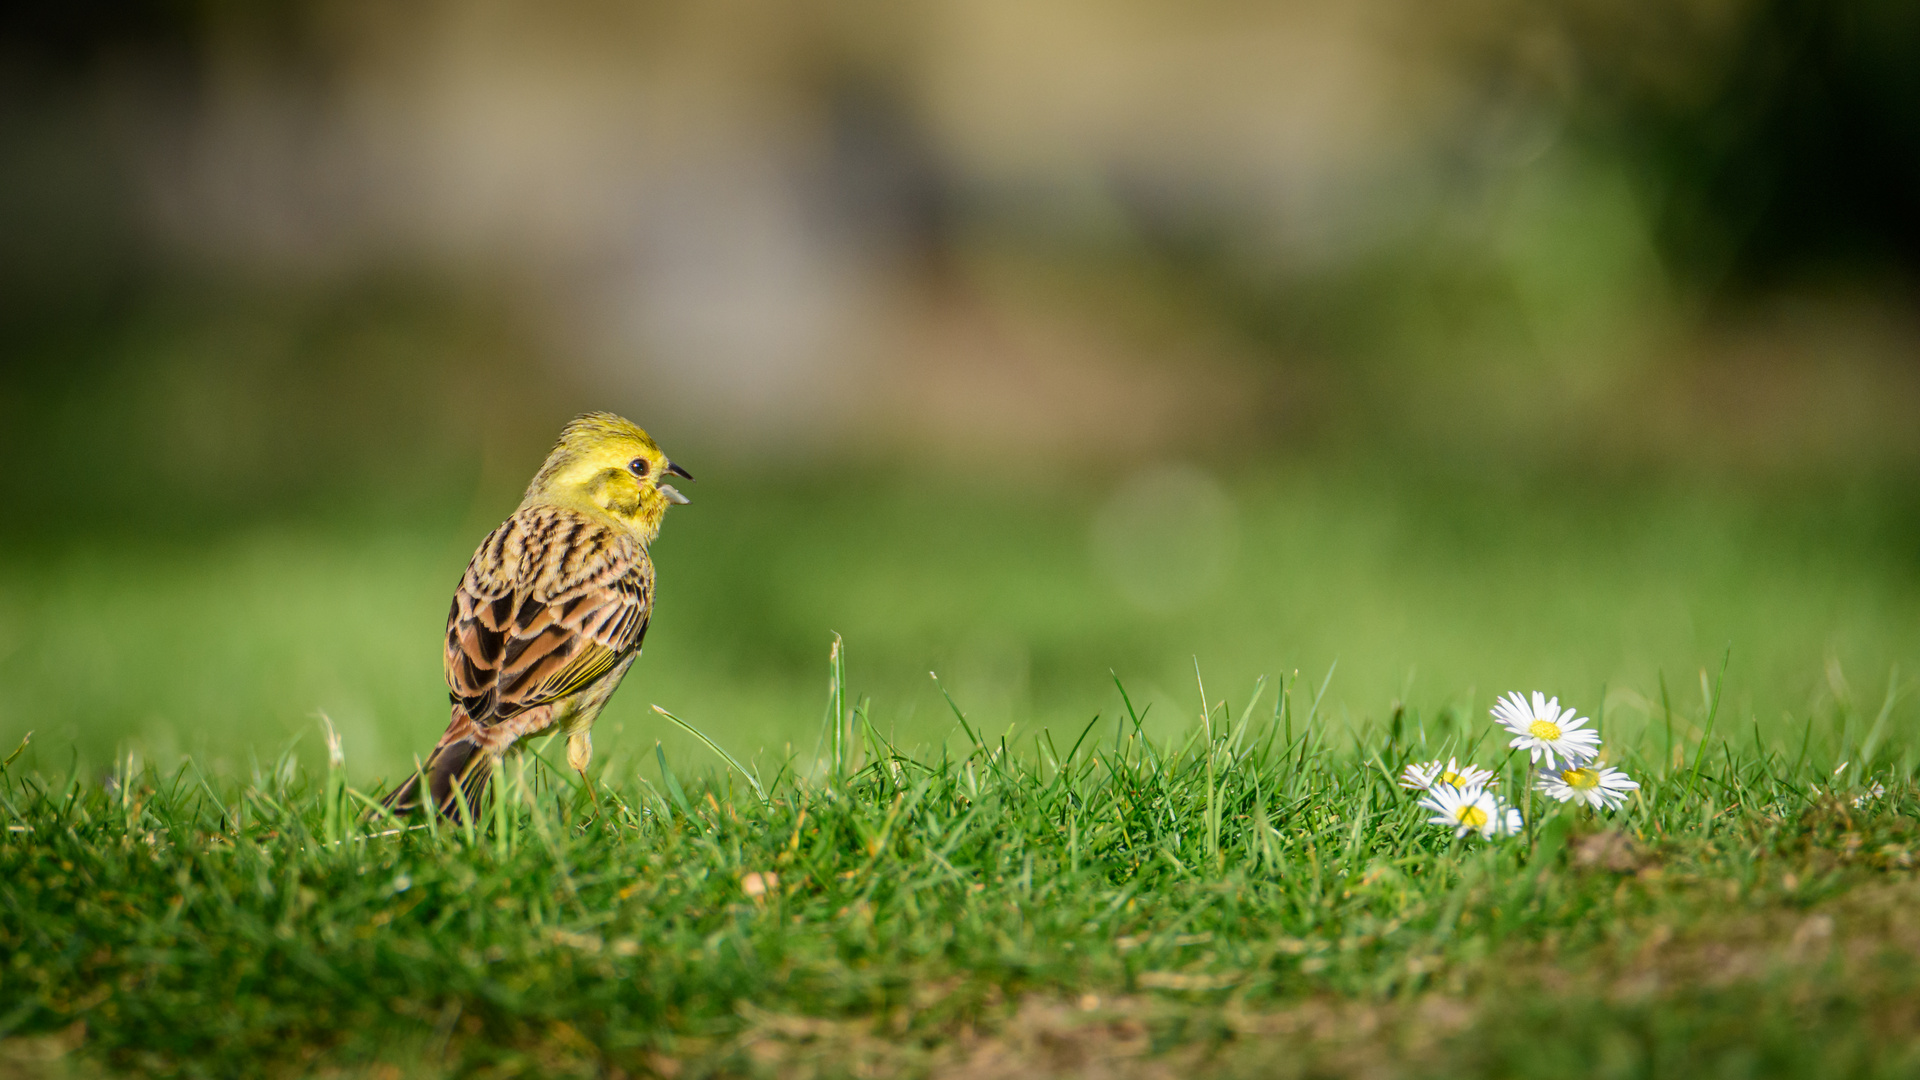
x=1253, y=895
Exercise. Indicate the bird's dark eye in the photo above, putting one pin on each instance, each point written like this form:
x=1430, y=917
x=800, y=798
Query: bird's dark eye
x=638, y=466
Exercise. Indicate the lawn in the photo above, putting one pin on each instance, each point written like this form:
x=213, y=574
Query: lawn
x=1050, y=860
x=1256, y=897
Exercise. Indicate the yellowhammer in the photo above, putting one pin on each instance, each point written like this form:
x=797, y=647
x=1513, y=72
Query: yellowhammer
x=552, y=609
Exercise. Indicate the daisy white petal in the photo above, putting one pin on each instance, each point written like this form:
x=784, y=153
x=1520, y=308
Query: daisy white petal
x=1549, y=733
x=1470, y=810
x=1423, y=775
x=1589, y=785
x=1466, y=776
x=1510, y=822
x=1420, y=777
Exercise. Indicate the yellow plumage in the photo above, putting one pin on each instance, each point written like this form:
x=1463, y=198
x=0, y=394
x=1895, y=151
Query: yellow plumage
x=553, y=607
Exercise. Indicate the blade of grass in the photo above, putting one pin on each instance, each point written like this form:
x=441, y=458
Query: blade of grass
x=719, y=750
x=1713, y=713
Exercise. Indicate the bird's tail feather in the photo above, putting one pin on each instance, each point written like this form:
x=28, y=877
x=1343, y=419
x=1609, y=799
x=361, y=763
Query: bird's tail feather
x=450, y=773
x=403, y=798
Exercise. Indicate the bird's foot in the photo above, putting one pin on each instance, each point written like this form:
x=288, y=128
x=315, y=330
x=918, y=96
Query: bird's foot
x=593, y=793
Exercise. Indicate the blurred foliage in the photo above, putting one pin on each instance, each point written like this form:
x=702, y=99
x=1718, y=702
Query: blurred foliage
x=1507, y=438
x=182, y=410
x=1775, y=141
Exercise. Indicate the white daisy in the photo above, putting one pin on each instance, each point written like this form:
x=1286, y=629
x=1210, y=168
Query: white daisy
x=1423, y=776
x=1878, y=789
x=1470, y=809
x=1591, y=784
x=1548, y=731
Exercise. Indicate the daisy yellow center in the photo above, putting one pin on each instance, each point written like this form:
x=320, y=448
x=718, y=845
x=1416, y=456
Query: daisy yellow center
x=1453, y=778
x=1471, y=816
x=1581, y=778
x=1544, y=729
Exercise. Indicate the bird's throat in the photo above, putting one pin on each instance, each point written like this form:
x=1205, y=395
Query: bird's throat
x=617, y=499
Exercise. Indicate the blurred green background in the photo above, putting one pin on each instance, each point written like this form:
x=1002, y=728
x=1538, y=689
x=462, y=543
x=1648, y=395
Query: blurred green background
x=1505, y=346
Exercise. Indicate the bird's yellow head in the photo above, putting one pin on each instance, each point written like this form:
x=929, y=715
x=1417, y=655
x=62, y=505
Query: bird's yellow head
x=608, y=467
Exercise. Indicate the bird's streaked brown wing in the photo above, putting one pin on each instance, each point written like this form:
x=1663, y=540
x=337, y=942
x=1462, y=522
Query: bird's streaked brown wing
x=552, y=601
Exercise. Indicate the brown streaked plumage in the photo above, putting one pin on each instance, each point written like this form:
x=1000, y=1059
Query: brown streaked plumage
x=553, y=607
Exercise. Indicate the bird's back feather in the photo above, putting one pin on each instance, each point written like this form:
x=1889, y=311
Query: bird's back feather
x=551, y=604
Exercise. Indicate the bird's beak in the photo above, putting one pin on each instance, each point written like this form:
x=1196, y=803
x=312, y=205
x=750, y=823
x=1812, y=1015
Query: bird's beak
x=672, y=494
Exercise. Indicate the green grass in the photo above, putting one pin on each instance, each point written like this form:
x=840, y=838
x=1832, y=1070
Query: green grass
x=1250, y=895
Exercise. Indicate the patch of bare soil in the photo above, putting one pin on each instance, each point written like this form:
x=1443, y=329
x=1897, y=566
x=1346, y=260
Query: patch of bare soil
x=1840, y=947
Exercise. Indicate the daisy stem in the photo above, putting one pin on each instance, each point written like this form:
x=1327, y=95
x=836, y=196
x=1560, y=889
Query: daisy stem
x=1532, y=833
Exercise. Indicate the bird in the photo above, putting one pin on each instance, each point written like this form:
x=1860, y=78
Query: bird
x=552, y=609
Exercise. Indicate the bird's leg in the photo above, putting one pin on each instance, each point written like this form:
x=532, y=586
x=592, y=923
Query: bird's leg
x=579, y=752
